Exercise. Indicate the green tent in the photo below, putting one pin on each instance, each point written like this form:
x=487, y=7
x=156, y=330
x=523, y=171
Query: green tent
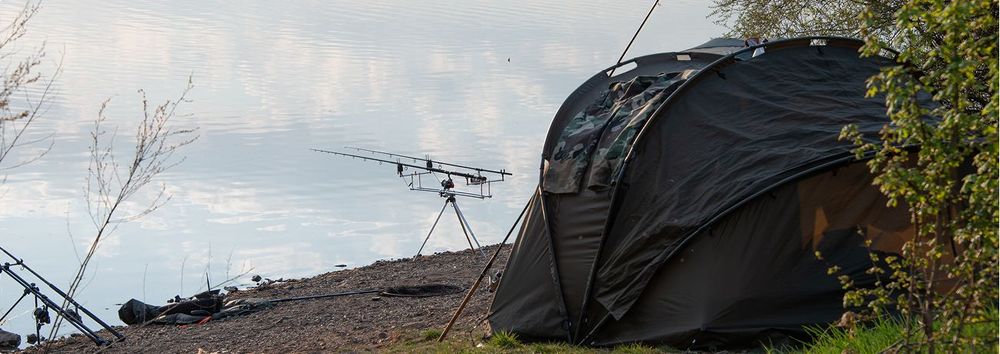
x=684, y=201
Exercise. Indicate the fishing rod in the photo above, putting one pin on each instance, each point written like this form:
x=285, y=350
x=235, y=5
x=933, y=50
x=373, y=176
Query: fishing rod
x=472, y=179
x=41, y=313
x=651, y=8
x=391, y=155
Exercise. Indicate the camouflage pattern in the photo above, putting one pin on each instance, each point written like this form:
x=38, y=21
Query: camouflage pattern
x=571, y=155
x=599, y=136
x=622, y=128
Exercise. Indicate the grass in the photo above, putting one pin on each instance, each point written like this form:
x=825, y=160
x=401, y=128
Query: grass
x=504, y=340
x=430, y=334
x=635, y=348
x=876, y=337
x=551, y=348
x=503, y=343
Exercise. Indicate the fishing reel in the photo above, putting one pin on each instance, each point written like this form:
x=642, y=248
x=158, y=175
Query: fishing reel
x=42, y=316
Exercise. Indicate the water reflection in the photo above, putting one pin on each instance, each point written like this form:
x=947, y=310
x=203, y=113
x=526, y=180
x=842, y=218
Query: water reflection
x=470, y=82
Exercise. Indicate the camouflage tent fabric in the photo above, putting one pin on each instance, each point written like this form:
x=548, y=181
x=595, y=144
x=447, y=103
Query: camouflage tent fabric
x=597, y=138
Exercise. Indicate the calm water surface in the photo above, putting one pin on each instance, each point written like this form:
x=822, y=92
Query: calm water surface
x=469, y=82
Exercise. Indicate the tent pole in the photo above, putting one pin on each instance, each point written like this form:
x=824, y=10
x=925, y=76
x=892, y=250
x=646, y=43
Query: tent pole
x=554, y=267
x=479, y=280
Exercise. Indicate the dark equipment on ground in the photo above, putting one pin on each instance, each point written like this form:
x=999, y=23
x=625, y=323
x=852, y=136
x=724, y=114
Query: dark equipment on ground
x=44, y=304
x=9, y=341
x=474, y=176
x=200, y=308
x=212, y=305
x=683, y=202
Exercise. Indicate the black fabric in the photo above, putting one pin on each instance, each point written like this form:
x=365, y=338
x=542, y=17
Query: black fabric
x=135, y=312
x=203, y=306
x=577, y=222
x=734, y=131
x=9, y=341
x=197, y=306
x=755, y=274
x=526, y=301
x=184, y=312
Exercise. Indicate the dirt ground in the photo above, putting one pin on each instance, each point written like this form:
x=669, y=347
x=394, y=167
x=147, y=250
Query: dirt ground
x=341, y=324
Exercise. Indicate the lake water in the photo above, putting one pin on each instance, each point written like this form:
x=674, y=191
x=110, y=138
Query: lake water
x=472, y=82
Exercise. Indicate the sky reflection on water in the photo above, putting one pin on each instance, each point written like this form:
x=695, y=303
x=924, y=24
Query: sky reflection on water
x=275, y=79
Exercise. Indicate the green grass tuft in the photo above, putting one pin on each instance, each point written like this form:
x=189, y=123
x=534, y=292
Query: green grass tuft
x=882, y=335
x=504, y=340
x=873, y=338
x=634, y=348
x=553, y=348
x=430, y=334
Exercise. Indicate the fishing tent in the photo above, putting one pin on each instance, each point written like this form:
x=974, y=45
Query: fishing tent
x=684, y=201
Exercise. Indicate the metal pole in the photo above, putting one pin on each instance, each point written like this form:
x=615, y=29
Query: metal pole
x=69, y=299
x=432, y=229
x=466, y=225
x=26, y=292
x=462, y=224
x=657, y=2
x=62, y=312
x=486, y=269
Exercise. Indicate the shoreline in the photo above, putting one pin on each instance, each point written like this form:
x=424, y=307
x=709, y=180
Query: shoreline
x=364, y=322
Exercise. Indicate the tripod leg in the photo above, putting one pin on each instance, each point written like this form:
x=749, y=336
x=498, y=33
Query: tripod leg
x=30, y=287
x=432, y=228
x=462, y=224
x=466, y=226
x=13, y=306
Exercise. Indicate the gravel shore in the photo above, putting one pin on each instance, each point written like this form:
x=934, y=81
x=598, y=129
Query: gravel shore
x=340, y=324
